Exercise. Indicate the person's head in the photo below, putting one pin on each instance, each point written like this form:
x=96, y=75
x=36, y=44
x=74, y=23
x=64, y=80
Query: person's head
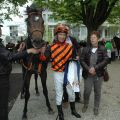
x=1, y=30
x=94, y=38
x=61, y=32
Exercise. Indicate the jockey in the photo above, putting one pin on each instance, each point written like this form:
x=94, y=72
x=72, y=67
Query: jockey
x=60, y=52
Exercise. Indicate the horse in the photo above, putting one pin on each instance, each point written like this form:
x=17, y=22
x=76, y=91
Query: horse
x=24, y=70
x=32, y=64
x=22, y=41
x=116, y=40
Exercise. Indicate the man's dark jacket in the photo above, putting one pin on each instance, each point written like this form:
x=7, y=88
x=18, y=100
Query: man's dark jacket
x=7, y=57
x=102, y=60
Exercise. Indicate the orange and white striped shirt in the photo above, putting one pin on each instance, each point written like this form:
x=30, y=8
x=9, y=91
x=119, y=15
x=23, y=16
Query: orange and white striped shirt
x=60, y=53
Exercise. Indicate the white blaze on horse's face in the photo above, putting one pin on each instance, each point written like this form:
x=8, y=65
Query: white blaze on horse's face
x=35, y=28
x=36, y=18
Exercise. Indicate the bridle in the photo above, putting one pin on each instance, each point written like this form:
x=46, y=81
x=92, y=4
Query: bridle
x=30, y=34
x=36, y=30
x=37, y=13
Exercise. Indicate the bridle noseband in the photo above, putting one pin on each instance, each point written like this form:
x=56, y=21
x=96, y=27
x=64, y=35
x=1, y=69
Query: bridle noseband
x=30, y=34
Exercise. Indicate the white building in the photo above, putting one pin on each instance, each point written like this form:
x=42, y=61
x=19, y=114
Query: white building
x=49, y=23
x=107, y=31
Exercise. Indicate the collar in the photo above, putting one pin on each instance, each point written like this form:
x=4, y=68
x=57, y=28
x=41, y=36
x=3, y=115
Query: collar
x=61, y=43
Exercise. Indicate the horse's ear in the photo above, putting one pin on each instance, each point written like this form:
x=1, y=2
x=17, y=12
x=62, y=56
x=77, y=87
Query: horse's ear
x=27, y=9
x=43, y=9
x=40, y=10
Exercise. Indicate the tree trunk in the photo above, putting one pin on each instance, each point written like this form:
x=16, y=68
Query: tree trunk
x=90, y=29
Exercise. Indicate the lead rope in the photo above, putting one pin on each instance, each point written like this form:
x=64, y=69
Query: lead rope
x=29, y=67
x=39, y=68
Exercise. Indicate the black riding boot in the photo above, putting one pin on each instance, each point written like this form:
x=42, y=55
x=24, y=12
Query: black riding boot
x=73, y=110
x=60, y=112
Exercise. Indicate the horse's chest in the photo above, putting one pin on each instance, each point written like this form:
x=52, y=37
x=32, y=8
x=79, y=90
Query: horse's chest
x=33, y=63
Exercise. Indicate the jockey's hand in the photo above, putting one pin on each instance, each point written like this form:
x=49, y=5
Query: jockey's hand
x=21, y=47
x=77, y=57
x=33, y=51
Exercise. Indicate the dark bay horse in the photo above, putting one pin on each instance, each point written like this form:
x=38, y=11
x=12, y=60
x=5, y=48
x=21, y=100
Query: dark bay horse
x=32, y=64
x=24, y=67
x=116, y=40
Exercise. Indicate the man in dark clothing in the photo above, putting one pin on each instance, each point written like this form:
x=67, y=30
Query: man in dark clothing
x=5, y=69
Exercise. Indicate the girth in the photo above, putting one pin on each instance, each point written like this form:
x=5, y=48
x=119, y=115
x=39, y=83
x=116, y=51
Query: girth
x=30, y=66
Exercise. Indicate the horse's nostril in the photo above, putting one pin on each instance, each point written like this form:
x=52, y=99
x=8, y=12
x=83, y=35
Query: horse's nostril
x=37, y=43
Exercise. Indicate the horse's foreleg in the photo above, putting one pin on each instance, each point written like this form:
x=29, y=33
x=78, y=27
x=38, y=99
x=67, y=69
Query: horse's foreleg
x=45, y=91
x=23, y=84
x=36, y=84
x=27, y=94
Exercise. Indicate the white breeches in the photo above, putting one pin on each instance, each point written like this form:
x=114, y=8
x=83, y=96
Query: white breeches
x=58, y=80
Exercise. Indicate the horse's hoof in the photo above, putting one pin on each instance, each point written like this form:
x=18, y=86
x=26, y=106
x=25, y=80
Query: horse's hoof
x=50, y=111
x=37, y=94
x=22, y=96
x=24, y=117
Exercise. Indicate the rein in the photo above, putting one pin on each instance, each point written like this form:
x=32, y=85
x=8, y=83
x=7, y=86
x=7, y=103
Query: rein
x=36, y=31
x=29, y=14
x=29, y=66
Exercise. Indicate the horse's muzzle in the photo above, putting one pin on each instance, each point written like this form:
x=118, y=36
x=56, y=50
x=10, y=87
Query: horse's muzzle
x=38, y=43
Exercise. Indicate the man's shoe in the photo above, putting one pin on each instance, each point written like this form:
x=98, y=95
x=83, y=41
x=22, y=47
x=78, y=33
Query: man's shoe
x=96, y=111
x=84, y=109
x=73, y=110
x=76, y=114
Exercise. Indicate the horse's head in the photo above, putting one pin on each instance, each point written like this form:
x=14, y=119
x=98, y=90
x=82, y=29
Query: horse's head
x=35, y=26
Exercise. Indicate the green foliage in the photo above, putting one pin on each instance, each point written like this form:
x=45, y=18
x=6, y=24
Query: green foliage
x=10, y=7
x=73, y=10
x=114, y=17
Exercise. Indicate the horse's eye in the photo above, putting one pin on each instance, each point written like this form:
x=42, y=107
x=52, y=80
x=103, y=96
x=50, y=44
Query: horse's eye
x=36, y=18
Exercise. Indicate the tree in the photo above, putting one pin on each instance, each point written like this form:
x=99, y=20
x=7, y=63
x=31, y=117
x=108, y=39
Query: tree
x=10, y=7
x=114, y=16
x=92, y=13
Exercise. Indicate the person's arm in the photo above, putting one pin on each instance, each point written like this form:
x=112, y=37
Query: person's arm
x=45, y=53
x=11, y=56
x=104, y=62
